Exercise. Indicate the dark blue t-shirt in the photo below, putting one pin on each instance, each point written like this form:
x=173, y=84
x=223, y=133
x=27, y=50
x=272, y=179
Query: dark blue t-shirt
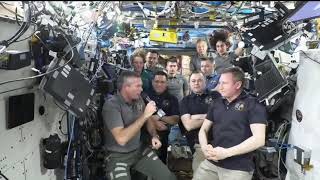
x=169, y=104
x=196, y=104
x=165, y=101
x=231, y=126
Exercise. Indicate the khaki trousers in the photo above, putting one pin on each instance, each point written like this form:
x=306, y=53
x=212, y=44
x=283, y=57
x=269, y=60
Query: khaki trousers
x=209, y=171
x=198, y=157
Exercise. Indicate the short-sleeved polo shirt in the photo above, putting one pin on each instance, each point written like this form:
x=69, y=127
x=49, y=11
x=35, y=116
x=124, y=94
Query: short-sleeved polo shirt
x=231, y=126
x=117, y=112
x=146, y=77
x=177, y=85
x=196, y=104
x=165, y=101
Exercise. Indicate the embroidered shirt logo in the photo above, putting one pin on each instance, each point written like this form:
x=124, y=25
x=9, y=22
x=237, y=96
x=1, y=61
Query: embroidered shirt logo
x=165, y=103
x=213, y=81
x=239, y=106
x=208, y=100
x=139, y=107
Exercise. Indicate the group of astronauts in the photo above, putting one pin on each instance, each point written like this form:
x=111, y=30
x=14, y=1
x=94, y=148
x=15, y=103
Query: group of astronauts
x=222, y=123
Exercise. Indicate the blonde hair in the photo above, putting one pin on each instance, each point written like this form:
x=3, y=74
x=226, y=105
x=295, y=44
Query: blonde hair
x=139, y=52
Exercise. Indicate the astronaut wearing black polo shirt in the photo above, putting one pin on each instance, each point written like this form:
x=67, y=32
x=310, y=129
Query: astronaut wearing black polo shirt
x=238, y=122
x=193, y=109
x=169, y=104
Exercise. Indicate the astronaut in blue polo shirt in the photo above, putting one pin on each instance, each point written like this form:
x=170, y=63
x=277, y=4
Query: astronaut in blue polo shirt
x=212, y=77
x=238, y=122
x=170, y=105
x=193, y=110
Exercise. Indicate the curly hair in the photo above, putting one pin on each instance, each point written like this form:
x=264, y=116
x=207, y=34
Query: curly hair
x=221, y=35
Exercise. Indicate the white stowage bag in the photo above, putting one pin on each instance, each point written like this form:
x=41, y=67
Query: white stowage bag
x=305, y=134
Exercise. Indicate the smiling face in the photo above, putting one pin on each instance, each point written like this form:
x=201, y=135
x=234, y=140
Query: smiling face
x=159, y=84
x=137, y=63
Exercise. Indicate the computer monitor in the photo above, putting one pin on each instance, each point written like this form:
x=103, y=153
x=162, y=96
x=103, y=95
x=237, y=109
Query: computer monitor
x=305, y=10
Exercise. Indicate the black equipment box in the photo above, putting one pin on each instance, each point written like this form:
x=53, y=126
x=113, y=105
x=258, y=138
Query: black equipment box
x=270, y=79
x=20, y=110
x=69, y=87
x=13, y=60
x=270, y=32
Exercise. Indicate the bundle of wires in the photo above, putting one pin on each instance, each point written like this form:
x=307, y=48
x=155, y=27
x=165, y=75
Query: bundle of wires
x=2, y=175
x=23, y=28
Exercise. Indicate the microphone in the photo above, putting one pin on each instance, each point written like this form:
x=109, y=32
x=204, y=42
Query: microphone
x=160, y=112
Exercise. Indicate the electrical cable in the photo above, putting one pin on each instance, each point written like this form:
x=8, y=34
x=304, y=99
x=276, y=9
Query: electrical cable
x=282, y=146
x=91, y=114
x=283, y=128
x=279, y=157
x=231, y=4
x=6, y=3
x=27, y=37
x=6, y=42
x=1, y=4
x=15, y=12
x=310, y=57
x=85, y=160
x=279, y=131
x=100, y=62
x=35, y=6
x=60, y=127
x=59, y=106
x=42, y=41
x=40, y=75
x=16, y=89
x=16, y=15
x=2, y=175
x=90, y=31
x=68, y=150
x=25, y=26
x=35, y=30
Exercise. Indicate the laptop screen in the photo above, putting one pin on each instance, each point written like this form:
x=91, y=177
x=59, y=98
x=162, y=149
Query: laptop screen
x=308, y=10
